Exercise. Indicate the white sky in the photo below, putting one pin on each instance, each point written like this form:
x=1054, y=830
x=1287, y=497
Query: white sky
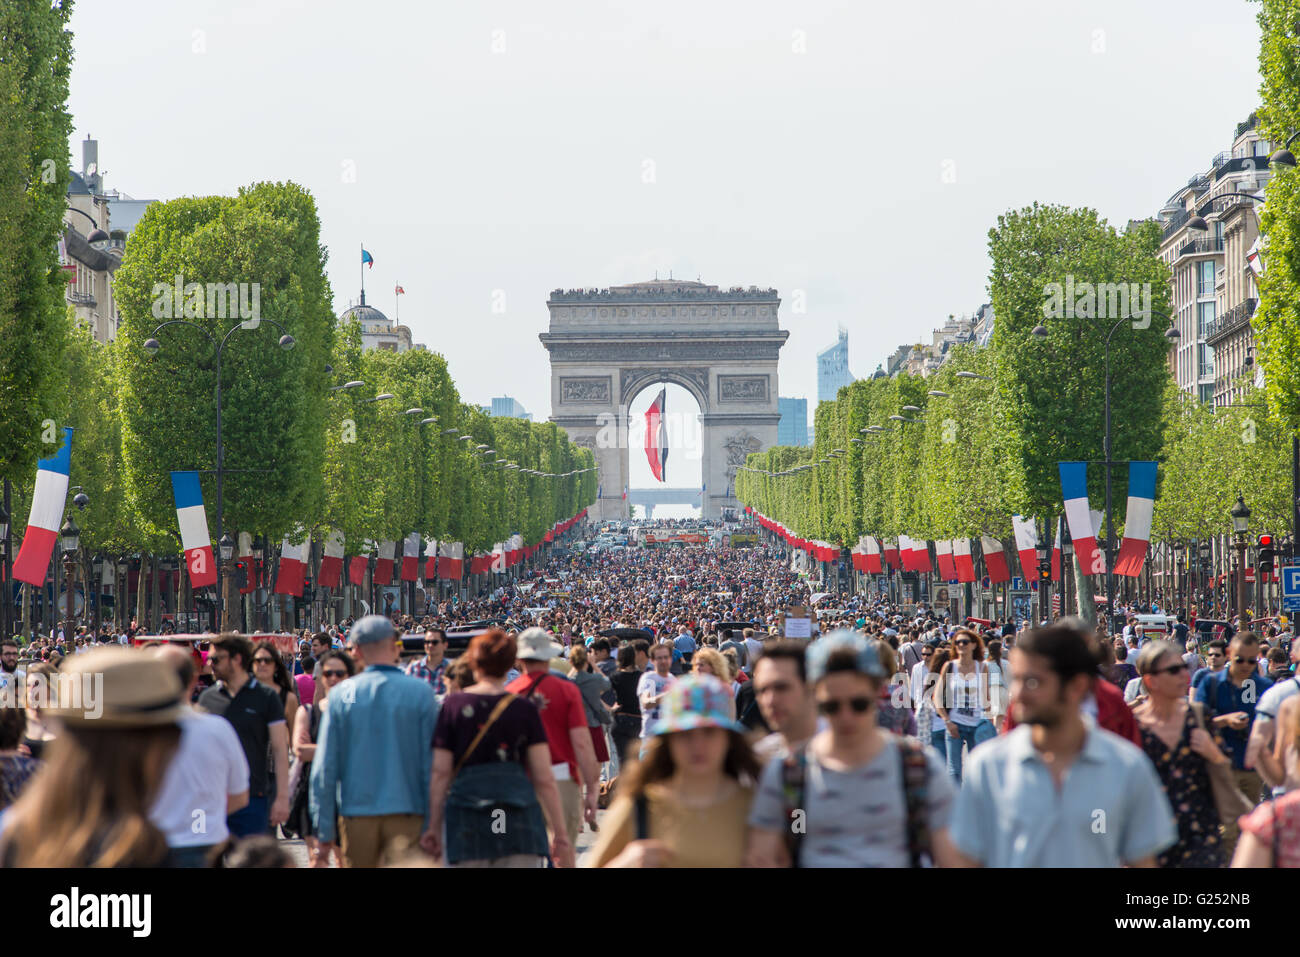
x=483, y=177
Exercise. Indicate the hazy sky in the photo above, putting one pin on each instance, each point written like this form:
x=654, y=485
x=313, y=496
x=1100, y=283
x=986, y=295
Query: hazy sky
x=858, y=152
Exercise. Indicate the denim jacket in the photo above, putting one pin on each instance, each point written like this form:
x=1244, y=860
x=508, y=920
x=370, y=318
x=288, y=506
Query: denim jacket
x=374, y=754
x=492, y=812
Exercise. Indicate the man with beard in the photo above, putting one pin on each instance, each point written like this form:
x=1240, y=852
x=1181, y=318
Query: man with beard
x=12, y=678
x=1059, y=791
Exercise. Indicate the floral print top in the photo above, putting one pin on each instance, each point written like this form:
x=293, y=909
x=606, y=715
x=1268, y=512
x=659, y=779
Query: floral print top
x=1186, y=780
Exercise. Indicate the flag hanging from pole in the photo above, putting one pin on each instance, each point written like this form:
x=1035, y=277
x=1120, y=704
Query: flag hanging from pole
x=46, y=515
x=1137, y=522
x=1026, y=546
x=656, y=437
x=367, y=259
x=193, y=522
x=331, y=563
x=1074, y=489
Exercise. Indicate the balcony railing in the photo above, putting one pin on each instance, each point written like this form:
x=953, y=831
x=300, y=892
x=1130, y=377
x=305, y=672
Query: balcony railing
x=1176, y=222
x=82, y=299
x=1231, y=321
x=1195, y=247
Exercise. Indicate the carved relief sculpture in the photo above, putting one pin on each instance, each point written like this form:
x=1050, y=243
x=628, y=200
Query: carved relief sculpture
x=593, y=389
x=742, y=388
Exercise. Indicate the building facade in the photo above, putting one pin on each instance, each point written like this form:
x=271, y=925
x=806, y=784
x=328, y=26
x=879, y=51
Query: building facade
x=1213, y=291
x=793, y=427
x=833, y=368
x=377, y=330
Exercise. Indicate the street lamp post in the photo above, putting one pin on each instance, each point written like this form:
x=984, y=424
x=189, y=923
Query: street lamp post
x=71, y=536
x=1240, y=525
x=152, y=346
x=226, y=551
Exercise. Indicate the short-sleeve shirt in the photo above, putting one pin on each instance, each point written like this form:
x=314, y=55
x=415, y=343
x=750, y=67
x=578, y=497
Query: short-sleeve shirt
x=251, y=713
x=855, y=818
x=1220, y=696
x=1110, y=809
x=651, y=684
x=559, y=702
x=515, y=730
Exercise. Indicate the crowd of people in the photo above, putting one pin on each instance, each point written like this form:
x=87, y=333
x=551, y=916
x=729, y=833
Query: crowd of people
x=647, y=701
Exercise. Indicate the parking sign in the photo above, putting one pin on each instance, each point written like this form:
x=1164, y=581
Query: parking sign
x=1291, y=588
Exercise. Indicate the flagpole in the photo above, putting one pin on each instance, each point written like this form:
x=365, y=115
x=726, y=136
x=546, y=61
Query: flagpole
x=363, y=272
x=397, y=305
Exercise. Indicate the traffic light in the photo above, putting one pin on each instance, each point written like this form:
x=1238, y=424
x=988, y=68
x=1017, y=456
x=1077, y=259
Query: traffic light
x=1265, y=554
x=1044, y=573
x=241, y=574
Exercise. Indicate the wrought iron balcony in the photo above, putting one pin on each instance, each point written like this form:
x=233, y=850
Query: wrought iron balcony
x=1195, y=247
x=1230, y=322
x=82, y=299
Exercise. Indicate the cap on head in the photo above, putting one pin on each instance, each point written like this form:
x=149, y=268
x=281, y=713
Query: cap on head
x=370, y=629
x=866, y=659
x=535, y=645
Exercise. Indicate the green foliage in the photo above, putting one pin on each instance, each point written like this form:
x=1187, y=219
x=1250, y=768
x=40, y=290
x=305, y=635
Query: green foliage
x=35, y=60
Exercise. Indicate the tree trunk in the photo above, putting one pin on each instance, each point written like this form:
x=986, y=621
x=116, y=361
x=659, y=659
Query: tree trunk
x=139, y=591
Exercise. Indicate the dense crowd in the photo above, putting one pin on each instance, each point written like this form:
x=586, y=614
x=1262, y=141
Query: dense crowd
x=656, y=685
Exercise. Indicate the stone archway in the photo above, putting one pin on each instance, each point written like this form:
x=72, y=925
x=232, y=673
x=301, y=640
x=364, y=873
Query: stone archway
x=722, y=346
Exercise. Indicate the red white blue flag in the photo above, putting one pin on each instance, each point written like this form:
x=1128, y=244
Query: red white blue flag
x=656, y=437
x=193, y=522
x=46, y=515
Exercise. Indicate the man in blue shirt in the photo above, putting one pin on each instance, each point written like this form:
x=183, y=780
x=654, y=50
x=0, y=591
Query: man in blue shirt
x=1058, y=791
x=374, y=755
x=1229, y=699
x=1216, y=656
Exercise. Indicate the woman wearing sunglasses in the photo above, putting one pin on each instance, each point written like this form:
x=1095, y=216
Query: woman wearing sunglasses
x=335, y=667
x=961, y=699
x=1182, y=751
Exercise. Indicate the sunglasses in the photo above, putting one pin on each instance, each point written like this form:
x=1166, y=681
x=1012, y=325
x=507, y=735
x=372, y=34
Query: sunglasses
x=332, y=673
x=1241, y=661
x=963, y=641
x=263, y=661
x=433, y=641
x=832, y=707
x=1171, y=670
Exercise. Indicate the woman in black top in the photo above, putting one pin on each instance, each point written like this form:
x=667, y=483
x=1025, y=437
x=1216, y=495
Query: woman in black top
x=627, y=708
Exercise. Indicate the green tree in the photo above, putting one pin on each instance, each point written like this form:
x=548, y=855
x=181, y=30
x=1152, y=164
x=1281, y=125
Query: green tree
x=35, y=60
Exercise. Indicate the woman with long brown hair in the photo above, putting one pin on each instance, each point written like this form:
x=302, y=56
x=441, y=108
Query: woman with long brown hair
x=89, y=806
x=686, y=803
x=336, y=667
x=961, y=698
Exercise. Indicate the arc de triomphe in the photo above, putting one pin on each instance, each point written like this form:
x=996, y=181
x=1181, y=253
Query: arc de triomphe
x=607, y=345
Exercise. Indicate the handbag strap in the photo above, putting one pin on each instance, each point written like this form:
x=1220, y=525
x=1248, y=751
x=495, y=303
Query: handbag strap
x=496, y=713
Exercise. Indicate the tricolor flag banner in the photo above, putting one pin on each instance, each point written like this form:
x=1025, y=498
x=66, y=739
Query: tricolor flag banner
x=943, y=554
x=357, y=565
x=1137, y=522
x=293, y=567
x=921, y=556
x=1253, y=258
x=193, y=523
x=46, y=515
x=995, y=560
x=1074, y=489
x=367, y=259
x=625, y=493
x=656, y=437
x=498, y=560
x=411, y=557
x=961, y=558
x=384, y=564
x=331, y=563
x=1026, y=546
x=905, y=552
x=873, y=563
x=1056, y=553
x=451, y=560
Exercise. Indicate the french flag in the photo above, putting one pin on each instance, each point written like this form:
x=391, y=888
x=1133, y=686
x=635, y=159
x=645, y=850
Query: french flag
x=1074, y=489
x=943, y=553
x=921, y=556
x=961, y=558
x=1137, y=523
x=384, y=565
x=411, y=557
x=193, y=522
x=656, y=438
x=357, y=565
x=245, y=551
x=451, y=560
x=293, y=566
x=46, y=515
x=872, y=560
x=1026, y=546
x=891, y=555
x=331, y=563
x=430, y=559
x=995, y=559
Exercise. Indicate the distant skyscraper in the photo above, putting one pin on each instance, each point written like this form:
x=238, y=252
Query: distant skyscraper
x=506, y=407
x=793, y=427
x=833, y=368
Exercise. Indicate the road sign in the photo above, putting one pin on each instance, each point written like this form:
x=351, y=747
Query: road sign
x=1017, y=584
x=1291, y=588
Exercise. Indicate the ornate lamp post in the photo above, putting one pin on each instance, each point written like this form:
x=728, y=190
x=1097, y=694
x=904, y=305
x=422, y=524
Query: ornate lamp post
x=71, y=536
x=226, y=547
x=1240, y=525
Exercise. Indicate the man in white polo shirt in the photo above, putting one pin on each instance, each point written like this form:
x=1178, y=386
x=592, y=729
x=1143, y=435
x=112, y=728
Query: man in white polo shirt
x=206, y=780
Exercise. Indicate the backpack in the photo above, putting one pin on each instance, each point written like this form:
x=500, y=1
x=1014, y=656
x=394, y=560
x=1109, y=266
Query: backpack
x=794, y=769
